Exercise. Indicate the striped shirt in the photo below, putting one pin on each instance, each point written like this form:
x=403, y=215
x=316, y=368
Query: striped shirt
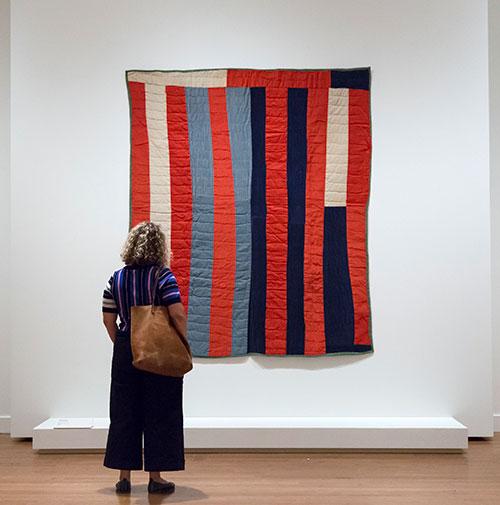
x=132, y=285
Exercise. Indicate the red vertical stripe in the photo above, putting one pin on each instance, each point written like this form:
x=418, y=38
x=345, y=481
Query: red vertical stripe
x=140, y=206
x=358, y=187
x=276, y=219
x=317, y=118
x=279, y=78
x=180, y=187
x=224, y=256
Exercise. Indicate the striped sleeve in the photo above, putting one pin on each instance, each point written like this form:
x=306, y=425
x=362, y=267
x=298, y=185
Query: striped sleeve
x=168, y=288
x=108, y=301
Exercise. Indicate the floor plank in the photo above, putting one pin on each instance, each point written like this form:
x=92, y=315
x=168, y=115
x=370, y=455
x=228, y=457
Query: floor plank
x=472, y=477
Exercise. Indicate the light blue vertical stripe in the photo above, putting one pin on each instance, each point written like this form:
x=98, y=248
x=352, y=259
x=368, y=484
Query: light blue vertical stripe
x=200, y=284
x=238, y=112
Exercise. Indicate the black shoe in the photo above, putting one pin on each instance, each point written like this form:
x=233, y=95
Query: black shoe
x=123, y=486
x=160, y=488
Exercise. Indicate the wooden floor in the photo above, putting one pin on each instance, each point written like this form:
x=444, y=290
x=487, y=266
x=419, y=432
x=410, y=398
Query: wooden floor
x=472, y=477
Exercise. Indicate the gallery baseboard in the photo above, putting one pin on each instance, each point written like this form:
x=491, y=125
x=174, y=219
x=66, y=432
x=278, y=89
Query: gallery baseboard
x=376, y=433
x=4, y=424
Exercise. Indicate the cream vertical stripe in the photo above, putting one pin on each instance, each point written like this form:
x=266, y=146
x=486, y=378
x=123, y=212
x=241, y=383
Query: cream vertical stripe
x=188, y=78
x=337, y=149
x=159, y=158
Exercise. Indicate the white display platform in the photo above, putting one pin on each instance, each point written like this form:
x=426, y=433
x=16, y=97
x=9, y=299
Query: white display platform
x=382, y=433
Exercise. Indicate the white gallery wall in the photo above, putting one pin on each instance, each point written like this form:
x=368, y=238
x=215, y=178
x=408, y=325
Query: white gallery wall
x=494, y=72
x=429, y=234
x=4, y=213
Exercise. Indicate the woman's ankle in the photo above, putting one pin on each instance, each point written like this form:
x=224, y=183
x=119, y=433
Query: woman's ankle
x=156, y=476
x=124, y=474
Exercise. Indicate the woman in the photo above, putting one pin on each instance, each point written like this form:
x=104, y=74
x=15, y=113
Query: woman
x=143, y=402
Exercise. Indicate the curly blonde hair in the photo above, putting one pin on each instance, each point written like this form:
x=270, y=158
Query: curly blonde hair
x=146, y=245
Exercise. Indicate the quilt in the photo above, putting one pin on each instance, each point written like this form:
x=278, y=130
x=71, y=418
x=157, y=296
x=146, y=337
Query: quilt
x=260, y=179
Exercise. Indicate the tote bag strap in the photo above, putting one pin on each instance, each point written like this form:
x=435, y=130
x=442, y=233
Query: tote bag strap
x=154, y=288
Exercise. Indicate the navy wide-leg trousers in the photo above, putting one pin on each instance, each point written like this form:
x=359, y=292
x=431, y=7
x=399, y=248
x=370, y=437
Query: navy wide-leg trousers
x=143, y=403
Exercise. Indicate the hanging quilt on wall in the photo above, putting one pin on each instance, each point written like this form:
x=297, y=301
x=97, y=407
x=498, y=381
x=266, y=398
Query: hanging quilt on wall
x=260, y=180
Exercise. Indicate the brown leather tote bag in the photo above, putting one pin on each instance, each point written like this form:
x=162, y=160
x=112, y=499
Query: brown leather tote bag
x=157, y=346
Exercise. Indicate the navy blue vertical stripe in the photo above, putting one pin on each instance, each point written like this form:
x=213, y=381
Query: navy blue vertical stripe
x=337, y=293
x=258, y=279
x=296, y=184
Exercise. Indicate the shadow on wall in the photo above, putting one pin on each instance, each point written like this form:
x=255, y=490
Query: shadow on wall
x=291, y=362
